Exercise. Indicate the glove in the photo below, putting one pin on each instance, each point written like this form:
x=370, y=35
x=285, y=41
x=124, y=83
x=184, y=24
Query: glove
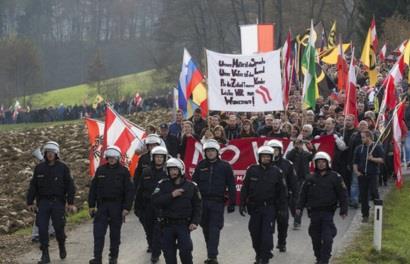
x=242, y=210
x=231, y=208
x=92, y=212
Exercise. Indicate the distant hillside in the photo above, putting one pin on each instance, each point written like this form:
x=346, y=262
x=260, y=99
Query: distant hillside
x=142, y=82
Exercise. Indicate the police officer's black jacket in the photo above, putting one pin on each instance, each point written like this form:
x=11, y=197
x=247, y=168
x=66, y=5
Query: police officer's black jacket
x=143, y=162
x=187, y=206
x=147, y=184
x=289, y=175
x=213, y=178
x=264, y=185
x=51, y=181
x=324, y=192
x=111, y=183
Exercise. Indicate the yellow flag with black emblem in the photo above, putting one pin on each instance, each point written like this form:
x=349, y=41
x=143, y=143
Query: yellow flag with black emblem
x=331, y=41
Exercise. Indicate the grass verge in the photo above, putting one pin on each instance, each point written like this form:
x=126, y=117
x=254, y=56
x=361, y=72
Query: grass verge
x=396, y=234
x=23, y=126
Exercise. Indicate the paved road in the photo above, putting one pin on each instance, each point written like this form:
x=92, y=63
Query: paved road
x=235, y=246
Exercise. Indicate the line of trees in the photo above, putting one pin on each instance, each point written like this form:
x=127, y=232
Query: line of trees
x=64, y=36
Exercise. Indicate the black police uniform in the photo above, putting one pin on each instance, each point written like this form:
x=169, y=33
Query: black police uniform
x=52, y=187
x=176, y=215
x=143, y=162
x=213, y=178
x=282, y=217
x=263, y=192
x=320, y=195
x=111, y=192
x=143, y=205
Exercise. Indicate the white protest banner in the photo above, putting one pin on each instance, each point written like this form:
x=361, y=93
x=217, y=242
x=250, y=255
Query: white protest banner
x=244, y=83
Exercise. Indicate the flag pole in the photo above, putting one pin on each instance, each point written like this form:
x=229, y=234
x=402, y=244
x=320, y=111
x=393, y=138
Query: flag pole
x=388, y=123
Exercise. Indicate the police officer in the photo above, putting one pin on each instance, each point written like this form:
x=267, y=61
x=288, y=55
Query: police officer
x=263, y=193
x=213, y=177
x=320, y=194
x=289, y=174
x=148, y=182
x=179, y=202
x=52, y=187
x=110, y=200
x=151, y=141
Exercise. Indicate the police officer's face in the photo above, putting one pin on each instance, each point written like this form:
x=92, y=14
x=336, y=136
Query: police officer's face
x=321, y=164
x=276, y=152
x=112, y=160
x=211, y=154
x=173, y=173
x=159, y=159
x=51, y=156
x=266, y=159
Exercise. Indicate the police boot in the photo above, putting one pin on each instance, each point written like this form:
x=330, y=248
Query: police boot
x=112, y=260
x=211, y=261
x=95, y=261
x=282, y=248
x=61, y=248
x=45, y=257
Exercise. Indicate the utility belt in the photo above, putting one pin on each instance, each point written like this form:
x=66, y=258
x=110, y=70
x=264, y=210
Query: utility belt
x=219, y=199
x=175, y=221
x=53, y=198
x=262, y=203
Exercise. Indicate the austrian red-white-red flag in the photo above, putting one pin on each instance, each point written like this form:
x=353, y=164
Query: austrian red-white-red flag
x=342, y=68
x=95, y=137
x=351, y=99
x=394, y=77
x=382, y=53
x=399, y=51
x=399, y=132
x=286, y=69
x=118, y=132
x=373, y=35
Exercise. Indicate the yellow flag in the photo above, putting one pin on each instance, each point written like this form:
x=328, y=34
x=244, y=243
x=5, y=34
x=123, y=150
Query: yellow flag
x=368, y=58
x=406, y=58
x=98, y=99
x=329, y=56
x=331, y=41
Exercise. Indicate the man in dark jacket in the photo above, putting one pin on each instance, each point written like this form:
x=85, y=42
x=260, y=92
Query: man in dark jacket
x=52, y=187
x=110, y=200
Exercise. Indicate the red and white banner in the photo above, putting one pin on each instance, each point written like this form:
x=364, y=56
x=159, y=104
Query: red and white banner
x=241, y=153
x=399, y=133
x=95, y=137
x=121, y=133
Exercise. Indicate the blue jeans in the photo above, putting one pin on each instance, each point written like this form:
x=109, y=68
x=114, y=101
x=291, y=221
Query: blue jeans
x=407, y=147
x=354, y=189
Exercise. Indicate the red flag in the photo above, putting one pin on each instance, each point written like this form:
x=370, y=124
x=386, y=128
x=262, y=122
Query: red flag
x=399, y=132
x=342, y=68
x=373, y=35
x=95, y=137
x=117, y=133
x=351, y=99
x=287, y=69
x=382, y=53
x=394, y=77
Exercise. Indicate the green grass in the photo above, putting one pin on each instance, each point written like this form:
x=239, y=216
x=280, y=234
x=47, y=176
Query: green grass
x=395, y=238
x=16, y=127
x=142, y=82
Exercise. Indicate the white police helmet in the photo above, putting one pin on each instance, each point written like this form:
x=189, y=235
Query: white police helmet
x=321, y=155
x=112, y=152
x=176, y=163
x=274, y=143
x=51, y=146
x=265, y=150
x=152, y=139
x=211, y=144
x=158, y=150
